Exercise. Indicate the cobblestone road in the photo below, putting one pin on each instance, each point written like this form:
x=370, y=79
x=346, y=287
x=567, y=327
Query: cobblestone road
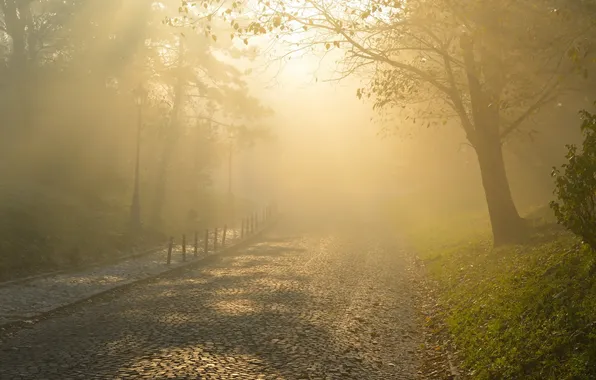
x=30, y=299
x=298, y=305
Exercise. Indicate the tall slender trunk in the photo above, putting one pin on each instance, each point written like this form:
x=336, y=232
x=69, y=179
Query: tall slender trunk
x=170, y=144
x=18, y=21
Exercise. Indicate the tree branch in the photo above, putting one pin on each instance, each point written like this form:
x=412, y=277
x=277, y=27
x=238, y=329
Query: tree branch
x=348, y=72
x=545, y=98
x=457, y=101
x=368, y=54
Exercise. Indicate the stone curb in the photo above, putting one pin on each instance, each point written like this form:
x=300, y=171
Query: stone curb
x=19, y=324
x=115, y=260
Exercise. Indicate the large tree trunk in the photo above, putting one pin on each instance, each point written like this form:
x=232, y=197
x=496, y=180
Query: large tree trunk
x=507, y=225
x=484, y=134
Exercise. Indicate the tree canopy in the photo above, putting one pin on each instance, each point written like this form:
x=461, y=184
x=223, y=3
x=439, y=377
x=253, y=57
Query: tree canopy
x=490, y=66
x=70, y=75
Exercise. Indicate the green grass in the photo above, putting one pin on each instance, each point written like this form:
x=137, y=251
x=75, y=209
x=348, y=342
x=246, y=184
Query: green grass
x=518, y=312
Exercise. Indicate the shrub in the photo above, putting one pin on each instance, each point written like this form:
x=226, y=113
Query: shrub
x=575, y=185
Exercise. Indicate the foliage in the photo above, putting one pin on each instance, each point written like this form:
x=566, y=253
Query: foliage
x=414, y=53
x=517, y=312
x=575, y=207
x=489, y=65
x=68, y=71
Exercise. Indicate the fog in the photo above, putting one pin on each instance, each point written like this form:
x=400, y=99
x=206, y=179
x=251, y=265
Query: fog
x=288, y=189
x=333, y=158
x=85, y=83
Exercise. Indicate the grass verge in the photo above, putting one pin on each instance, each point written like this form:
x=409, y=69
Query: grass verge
x=517, y=312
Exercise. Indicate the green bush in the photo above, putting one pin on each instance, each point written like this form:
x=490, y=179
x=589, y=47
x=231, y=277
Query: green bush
x=575, y=185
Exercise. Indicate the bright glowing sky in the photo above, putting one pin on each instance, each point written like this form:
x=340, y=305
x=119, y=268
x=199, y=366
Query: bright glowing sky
x=326, y=139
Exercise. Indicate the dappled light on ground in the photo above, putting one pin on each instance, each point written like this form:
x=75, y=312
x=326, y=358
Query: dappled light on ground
x=407, y=145
x=335, y=310
x=235, y=307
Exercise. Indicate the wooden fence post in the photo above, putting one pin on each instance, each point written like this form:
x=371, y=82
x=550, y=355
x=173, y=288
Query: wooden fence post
x=207, y=241
x=215, y=239
x=183, y=247
x=196, y=252
x=170, y=246
x=223, y=238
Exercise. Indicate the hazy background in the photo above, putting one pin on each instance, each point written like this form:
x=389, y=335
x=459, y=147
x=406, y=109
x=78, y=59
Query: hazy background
x=332, y=154
x=69, y=72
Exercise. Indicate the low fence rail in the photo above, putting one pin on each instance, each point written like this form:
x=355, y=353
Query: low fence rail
x=215, y=239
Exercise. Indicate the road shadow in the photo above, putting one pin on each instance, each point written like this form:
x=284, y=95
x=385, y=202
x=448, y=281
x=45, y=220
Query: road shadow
x=272, y=250
x=231, y=313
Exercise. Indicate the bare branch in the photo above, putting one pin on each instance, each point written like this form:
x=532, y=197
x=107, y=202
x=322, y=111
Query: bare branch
x=349, y=72
x=547, y=97
x=457, y=102
x=368, y=54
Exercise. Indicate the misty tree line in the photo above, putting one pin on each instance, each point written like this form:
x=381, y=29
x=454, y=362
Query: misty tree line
x=498, y=69
x=75, y=76
x=69, y=70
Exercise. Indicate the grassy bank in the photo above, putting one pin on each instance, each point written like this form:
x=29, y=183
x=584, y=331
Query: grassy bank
x=518, y=312
x=46, y=228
